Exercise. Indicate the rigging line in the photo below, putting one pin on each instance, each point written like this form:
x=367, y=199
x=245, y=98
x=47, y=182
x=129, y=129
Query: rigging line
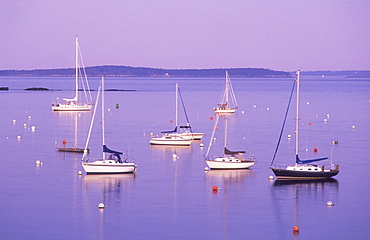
x=213, y=134
x=282, y=127
x=183, y=106
x=89, y=98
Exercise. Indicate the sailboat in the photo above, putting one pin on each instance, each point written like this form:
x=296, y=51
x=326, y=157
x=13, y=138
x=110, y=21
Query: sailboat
x=230, y=159
x=184, y=130
x=174, y=137
x=228, y=95
x=74, y=104
x=111, y=161
x=303, y=169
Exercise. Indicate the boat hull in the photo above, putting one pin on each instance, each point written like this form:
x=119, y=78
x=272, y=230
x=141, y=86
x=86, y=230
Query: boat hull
x=108, y=167
x=194, y=136
x=225, y=110
x=68, y=107
x=216, y=164
x=303, y=175
x=168, y=140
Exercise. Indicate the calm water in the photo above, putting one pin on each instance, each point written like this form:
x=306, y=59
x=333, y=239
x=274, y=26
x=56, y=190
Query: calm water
x=173, y=199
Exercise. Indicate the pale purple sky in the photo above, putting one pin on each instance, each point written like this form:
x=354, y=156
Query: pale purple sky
x=276, y=34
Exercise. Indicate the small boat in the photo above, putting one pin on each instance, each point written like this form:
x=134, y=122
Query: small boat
x=303, y=169
x=228, y=95
x=73, y=149
x=184, y=137
x=74, y=104
x=230, y=159
x=111, y=161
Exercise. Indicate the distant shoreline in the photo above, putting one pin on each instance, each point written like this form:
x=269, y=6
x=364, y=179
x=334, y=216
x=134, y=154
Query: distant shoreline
x=125, y=71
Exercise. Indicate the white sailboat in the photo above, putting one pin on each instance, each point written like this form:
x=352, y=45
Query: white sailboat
x=303, y=169
x=113, y=163
x=228, y=102
x=230, y=159
x=74, y=104
x=174, y=137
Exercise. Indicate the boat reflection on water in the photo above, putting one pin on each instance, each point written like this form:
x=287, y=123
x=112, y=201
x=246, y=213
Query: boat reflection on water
x=229, y=178
x=308, y=197
x=111, y=185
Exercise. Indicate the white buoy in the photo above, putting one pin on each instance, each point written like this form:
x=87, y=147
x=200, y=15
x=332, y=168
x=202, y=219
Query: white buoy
x=29, y=117
x=242, y=112
x=289, y=136
x=201, y=145
x=38, y=162
x=174, y=156
x=308, y=103
x=14, y=121
x=18, y=137
x=329, y=203
x=33, y=128
x=271, y=178
x=101, y=205
x=25, y=125
x=325, y=120
x=214, y=139
x=328, y=115
x=254, y=106
x=353, y=127
x=267, y=109
x=108, y=109
x=79, y=173
x=206, y=169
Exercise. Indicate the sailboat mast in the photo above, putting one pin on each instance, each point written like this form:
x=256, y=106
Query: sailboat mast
x=102, y=114
x=77, y=47
x=227, y=89
x=225, y=141
x=177, y=104
x=297, y=115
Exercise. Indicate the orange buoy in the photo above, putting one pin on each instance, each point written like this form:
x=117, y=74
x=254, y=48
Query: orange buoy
x=216, y=127
x=211, y=118
x=215, y=189
x=295, y=229
x=309, y=124
x=64, y=142
x=315, y=149
x=171, y=121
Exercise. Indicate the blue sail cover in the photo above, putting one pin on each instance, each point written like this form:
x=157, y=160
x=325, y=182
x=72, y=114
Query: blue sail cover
x=175, y=130
x=115, y=153
x=299, y=161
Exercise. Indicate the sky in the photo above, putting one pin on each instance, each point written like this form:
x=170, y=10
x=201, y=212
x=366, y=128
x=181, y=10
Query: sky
x=283, y=35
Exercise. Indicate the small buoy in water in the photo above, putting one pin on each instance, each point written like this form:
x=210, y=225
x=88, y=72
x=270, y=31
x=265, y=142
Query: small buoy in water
x=309, y=124
x=29, y=117
x=308, y=103
x=108, y=109
x=206, y=169
x=174, y=156
x=271, y=178
x=214, y=139
x=201, y=145
x=19, y=137
x=328, y=115
x=289, y=136
x=353, y=127
x=101, y=205
x=329, y=203
x=25, y=125
x=79, y=173
x=242, y=112
x=335, y=142
x=211, y=118
x=325, y=120
x=254, y=106
x=315, y=149
x=215, y=189
x=38, y=162
x=117, y=105
x=295, y=229
x=14, y=121
x=267, y=109
x=33, y=128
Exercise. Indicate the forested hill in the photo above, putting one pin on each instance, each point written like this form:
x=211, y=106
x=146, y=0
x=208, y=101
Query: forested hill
x=150, y=72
